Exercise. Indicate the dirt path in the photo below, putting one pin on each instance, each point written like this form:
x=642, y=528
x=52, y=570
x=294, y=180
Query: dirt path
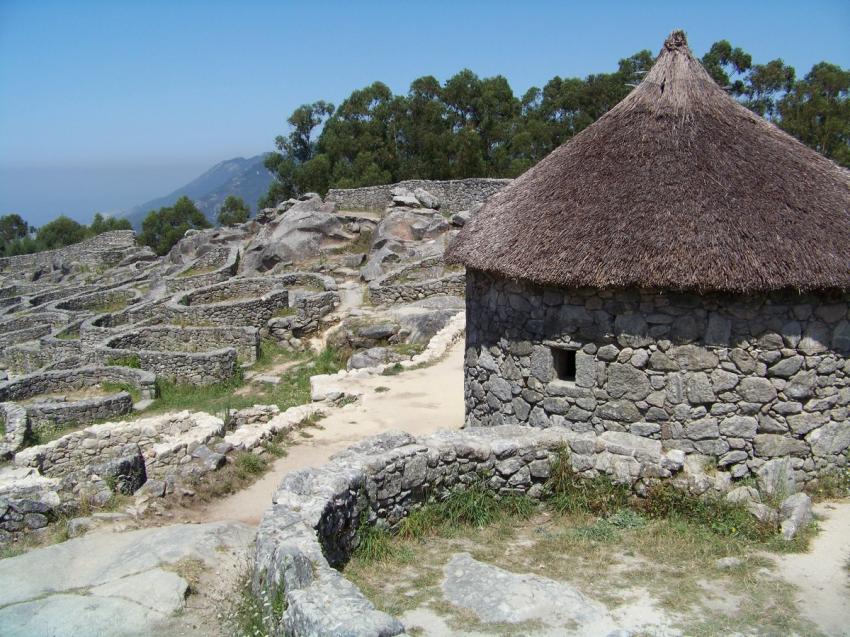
x=418, y=401
x=821, y=574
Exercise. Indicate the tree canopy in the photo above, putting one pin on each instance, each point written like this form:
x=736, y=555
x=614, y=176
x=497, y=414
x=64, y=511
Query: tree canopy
x=162, y=228
x=476, y=127
x=234, y=210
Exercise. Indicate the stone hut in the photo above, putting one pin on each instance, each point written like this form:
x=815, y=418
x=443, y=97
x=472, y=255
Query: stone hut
x=680, y=271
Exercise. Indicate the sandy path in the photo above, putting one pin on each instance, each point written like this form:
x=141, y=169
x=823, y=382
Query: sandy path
x=418, y=401
x=821, y=574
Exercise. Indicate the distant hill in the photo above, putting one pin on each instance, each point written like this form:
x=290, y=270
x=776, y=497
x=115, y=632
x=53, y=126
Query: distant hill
x=246, y=178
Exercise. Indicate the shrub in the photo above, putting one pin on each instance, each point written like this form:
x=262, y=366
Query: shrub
x=234, y=210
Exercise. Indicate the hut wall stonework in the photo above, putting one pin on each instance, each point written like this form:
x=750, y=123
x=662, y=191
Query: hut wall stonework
x=740, y=379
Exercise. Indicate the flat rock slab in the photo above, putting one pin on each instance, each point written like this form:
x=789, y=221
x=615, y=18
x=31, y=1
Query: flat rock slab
x=157, y=589
x=109, y=584
x=67, y=615
x=499, y=596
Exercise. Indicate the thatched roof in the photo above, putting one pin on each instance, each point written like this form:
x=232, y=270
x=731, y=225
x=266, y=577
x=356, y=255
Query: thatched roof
x=678, y=187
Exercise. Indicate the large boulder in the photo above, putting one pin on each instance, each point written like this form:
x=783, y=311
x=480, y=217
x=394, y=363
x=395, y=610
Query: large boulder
x=405, y=234
x=301, y=233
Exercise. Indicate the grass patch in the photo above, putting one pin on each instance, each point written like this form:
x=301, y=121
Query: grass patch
x=196, y=270
x=190, y=569
x=131, y=360
x=381, y=389
x=361, y=244
x=109, y=307
x=408, y=349
x=247, y=619
x=283, y=311
x=248, y=464
x=114, y=388
x=244, y=470
x=70, y=334
x=393, y=370
x=294, y=389
x=472, y=507
x=272, y=353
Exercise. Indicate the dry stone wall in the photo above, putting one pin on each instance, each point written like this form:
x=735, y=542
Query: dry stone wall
x=92, y=301
x=195, y=368
x=225, y=261
x=106, y=248
x=743, y=380
x=54, y=413
x=454, y=194
x=408, y=284
x=256, y=300
x=163, y=441
x=171, y=338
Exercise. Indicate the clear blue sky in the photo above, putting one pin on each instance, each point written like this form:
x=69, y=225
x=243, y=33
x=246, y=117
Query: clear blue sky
x=106, y=104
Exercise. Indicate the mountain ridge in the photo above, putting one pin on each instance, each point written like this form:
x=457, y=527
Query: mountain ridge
x=240, y=176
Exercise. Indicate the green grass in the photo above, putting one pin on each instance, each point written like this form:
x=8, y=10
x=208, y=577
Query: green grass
x=70, y=334
x=124, y=361
x=283, y=311
x=408, y=349
x=570, y=493
x=249, y=464
x=114, y=388
x=109, y=307
x=272, y=353
x=361, y=244
x=393, y=370
x=294, y=389
x=246, y=618
x=381, y=389
x=195, y=270
x=471, y=507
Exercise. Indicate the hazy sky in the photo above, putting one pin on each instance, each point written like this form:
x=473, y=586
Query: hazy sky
x=106, y=104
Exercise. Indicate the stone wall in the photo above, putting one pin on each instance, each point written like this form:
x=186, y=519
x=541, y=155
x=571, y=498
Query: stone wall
x=200, y=368
x=225, y=261
x=107, y=248
x=454, y=194
x=58, y=294
x=54, y=413
x=419, y=280
x=92, y=301
x=314, y=522
x=257, y=300
x=73, y=379
x=163, y=441
x=741, y=379
x=14, y=418
x=25, y=334
x=171, y=338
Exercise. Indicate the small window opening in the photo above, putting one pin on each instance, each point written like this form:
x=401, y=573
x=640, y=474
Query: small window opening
x=564, y=361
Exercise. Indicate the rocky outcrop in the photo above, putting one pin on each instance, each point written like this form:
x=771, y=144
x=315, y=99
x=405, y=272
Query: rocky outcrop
x=297, y=234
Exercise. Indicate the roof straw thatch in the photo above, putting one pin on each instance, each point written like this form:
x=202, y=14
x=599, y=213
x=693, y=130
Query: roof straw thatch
x=678, y=187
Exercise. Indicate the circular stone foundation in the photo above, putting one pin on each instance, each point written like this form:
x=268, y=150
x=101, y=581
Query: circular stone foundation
x=148, y=348
x=315, y=523
x=101, y=302
x=242, y=301
x=54, y=413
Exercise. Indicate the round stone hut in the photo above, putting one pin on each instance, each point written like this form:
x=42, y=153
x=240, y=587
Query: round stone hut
x=679, y=270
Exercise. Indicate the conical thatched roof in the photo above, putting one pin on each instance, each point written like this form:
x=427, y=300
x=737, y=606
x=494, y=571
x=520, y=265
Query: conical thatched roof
x=677, y=187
